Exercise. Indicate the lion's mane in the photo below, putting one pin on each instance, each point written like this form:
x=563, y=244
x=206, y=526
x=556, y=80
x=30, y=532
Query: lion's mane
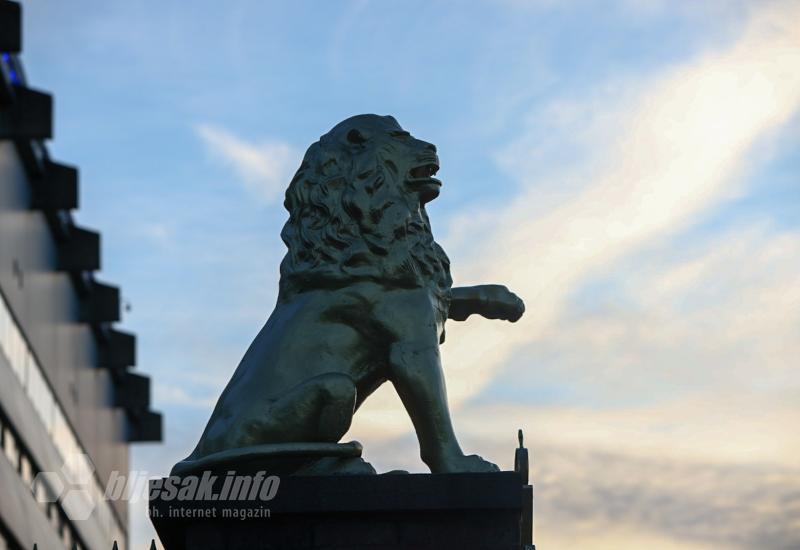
x=351, y=219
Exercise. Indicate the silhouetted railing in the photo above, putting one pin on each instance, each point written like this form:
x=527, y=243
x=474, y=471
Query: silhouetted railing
x=115, y=547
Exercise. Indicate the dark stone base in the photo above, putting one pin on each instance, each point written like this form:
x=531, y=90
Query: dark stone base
x=413, y=511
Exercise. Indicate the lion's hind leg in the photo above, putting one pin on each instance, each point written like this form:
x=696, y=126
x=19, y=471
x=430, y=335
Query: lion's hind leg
x=319, y=410
x=296, y=433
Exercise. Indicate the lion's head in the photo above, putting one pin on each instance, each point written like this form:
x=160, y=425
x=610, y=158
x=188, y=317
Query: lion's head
x=357, y=211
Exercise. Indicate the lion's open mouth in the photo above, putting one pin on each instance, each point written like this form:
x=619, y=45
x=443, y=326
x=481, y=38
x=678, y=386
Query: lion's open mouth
x=421, y=180
x=423, y=174
x=425, y=171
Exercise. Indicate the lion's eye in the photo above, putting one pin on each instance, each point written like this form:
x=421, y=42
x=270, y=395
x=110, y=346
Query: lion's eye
x=354, y=136
x=402, y=135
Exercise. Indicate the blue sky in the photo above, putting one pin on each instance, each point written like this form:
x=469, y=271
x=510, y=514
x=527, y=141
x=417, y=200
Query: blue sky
x=629, y=167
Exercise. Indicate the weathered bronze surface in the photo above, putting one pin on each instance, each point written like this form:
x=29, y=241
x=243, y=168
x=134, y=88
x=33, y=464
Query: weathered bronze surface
x=364, y=295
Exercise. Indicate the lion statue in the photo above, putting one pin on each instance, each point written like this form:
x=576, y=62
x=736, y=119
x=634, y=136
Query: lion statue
x=364, y=295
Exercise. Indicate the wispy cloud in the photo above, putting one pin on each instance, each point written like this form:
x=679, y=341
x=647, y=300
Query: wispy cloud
x=263, y=168
x=716, y=316
x=691, y=357
x=673, y=150
x=599, y=499
x=654, y=157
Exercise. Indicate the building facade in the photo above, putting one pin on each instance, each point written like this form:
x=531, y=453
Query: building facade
x=70, y=403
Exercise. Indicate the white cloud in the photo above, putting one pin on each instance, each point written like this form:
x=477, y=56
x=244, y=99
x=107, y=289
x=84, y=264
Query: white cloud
x=603, y=496
x=265, y=169
x=691, y=354
x=663, y=152
x=681, y=145
x=738, y=429
x=159, y=233
x=718, y=316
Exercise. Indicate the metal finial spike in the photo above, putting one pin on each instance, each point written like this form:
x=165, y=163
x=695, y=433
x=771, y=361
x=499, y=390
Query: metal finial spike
x=519, y=436
x=153, y=544
x=115, y=547
x=35, y=547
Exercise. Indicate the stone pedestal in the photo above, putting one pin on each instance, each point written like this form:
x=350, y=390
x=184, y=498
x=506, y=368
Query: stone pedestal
x=491, y=511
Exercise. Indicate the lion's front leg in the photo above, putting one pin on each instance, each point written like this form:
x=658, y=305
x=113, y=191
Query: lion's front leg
x=416, y=373
x=490, y=301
